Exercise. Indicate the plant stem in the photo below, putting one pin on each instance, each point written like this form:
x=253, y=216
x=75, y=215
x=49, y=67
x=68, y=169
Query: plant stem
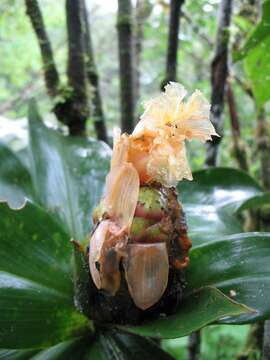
x=263, y=146
x=125, y=46
x=142, y=11
x=76, y=68
x=92, y=74
x=194, y=345
x=219, y=72
x=173, y=41
x=49, y=68
x=239, y=148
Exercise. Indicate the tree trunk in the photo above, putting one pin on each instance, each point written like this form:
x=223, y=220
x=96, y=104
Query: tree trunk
x=239, y=147
x=92, y=75
x=194, y=346
x=49, y=68
x=76, y=69
x=142, y=12
x=125, y=45
x=71, y=105
x=263, y=147
x=219, y=72
x=173, y=41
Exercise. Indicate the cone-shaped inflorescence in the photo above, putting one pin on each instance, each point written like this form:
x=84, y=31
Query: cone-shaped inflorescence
x=139, y=245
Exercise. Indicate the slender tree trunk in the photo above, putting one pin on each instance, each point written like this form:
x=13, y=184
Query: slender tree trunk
x=194, y=346
x=76, y=68
x=49, y=68
x=219, y=72
x=73, y=108
x=92, y=74
x=142, y=11
x=173, y=41
x=138, y=40
x=125, y=46
x=263, y=146
x=239, y=148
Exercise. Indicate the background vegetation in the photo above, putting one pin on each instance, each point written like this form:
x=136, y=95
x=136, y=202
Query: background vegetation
x=226, y=56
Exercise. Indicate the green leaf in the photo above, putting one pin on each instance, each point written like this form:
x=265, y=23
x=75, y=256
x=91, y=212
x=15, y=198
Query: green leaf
x=256, y=54
x=238, y=266
x=198, y=310
x=11, y=354
x=255, y=202
x=15, y=180
x=36, y=290
x=211, y=200
x=68, y=350
x=95, y=352
x=68, y=174
x=259, y=34
x=257, y=67
x=116, y=345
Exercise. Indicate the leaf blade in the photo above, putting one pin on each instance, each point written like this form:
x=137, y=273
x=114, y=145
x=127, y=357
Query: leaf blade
x=36, y=290
x=237, y=265
x=198, y=310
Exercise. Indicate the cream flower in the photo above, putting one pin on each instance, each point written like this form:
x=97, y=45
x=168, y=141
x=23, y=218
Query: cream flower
x=164, y=126
x=163, y=108
x=187, y=120
x=168, y=163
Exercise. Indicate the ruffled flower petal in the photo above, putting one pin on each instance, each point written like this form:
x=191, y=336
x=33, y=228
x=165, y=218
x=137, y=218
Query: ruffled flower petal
x=156, y=148
x=190, y=120
x=193, y=121
x=168, y=163
x=161, y=110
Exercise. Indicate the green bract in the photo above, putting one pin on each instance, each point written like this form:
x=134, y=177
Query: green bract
x=228, y=279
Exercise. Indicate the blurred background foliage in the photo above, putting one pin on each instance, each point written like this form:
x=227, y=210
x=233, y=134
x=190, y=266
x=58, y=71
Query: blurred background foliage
x=21, y=74
x=219, y=342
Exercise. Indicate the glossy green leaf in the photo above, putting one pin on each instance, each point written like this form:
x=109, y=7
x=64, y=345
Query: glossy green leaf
x=36, y=290
x=74, y=349
x=211, y=200
x=68, y=174
x=255, y=202
x=68, y=350
x=11, y=354
x=220, y=187
x=198, y=310
x=257, y=57
x=107, y=344
x=257, y=67
x=115, y=345
x=258, y=35
x=15, y=180
x=95, y=352
x=238, y=266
